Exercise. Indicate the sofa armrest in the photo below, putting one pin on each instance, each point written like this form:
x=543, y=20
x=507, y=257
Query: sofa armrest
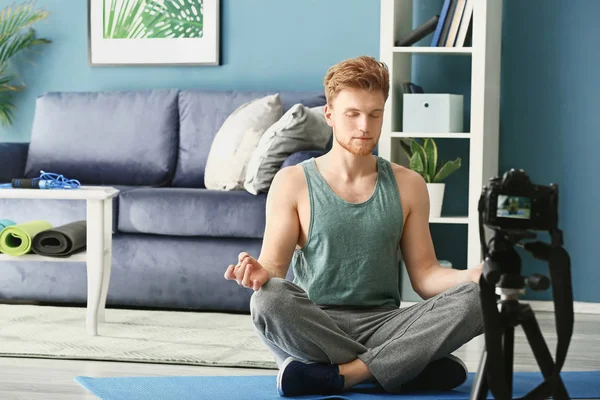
x=13, y=157
x=299, y=156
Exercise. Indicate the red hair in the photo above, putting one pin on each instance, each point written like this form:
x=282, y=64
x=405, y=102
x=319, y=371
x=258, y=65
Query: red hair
x=363, y=72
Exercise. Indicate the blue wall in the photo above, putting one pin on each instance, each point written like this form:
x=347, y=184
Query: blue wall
x=550, y=117
x=548, y=107
x=266, y=44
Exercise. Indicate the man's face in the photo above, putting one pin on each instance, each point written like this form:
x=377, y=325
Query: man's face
x=356, y=116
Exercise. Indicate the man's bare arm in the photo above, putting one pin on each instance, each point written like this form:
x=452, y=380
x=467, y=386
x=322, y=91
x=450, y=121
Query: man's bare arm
x=282, y=223
x=427, y=276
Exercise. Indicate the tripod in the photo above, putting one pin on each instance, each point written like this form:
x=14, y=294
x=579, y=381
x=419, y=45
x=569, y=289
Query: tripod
x=501, y=272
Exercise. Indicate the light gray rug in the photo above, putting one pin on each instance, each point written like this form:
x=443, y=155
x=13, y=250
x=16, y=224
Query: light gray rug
x=212, y=339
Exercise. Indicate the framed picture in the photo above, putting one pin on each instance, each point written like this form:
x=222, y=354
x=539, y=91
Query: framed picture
x=154, y=32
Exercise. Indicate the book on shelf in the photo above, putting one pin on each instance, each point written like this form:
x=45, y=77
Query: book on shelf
x=465, y=29
x=409, y=87
x=419, y=33
x=454, y=26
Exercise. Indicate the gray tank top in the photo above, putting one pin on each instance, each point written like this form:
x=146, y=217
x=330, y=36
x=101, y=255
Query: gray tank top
x=351, y=257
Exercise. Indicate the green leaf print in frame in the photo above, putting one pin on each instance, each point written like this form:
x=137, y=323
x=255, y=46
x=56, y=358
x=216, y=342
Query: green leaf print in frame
x=154, y=32
x=148, y=19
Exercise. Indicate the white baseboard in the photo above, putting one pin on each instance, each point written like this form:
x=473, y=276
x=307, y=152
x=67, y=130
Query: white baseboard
x=579, y=307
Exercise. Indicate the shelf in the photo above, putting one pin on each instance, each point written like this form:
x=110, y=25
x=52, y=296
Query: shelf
x=449, y=220
x=480, y=74
x=440, y=135
x=79, y=257
x=82, y=193
x=31, y=257
x=434, y=50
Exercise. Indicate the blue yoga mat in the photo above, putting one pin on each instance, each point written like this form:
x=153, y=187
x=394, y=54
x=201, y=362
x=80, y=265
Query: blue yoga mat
x=580, y=385
x=5, y=223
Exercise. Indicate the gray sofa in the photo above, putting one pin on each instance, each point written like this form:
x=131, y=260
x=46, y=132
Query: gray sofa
x=173, y=238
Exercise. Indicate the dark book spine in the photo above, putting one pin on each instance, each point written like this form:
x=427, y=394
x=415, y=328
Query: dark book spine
x=420, y=32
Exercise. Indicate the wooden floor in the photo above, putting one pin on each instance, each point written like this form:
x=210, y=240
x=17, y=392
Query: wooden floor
x=33, y=379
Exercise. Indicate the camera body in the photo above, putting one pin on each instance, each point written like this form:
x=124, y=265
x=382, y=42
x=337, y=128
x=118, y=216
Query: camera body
x=513, y=203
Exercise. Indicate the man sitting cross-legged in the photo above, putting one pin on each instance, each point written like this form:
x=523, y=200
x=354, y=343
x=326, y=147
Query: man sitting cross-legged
x=342, y=221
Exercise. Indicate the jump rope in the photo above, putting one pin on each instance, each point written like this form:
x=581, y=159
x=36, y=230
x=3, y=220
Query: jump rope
x=46, y=180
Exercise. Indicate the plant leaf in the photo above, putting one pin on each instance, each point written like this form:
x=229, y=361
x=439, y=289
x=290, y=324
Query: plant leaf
x=13, y=20
x=156, y=19
x=16, y=17
x=4, y=87
x=416, y=163
x=124, y=19
x=16, y=35
x=416, y=147
x=35, y=42
x=447, y=169
x=6, y=111
x=406, y=148
x=174, y=19
x=431, y=152
x=17, y=44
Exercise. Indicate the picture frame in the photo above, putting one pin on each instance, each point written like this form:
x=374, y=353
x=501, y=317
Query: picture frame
x=153, y=32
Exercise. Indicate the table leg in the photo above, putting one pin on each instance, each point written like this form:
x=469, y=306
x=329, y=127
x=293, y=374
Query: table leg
x=107, y=229
x=95, y=262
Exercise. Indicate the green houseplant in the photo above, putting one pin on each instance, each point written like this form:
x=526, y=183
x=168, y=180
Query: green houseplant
x=16, y=36
x=423, y=159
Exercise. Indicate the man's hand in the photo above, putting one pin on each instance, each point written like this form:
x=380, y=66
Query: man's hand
x=248, y=272
x=475, y=273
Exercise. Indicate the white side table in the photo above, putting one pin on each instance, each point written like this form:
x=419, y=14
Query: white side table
x=98, y=252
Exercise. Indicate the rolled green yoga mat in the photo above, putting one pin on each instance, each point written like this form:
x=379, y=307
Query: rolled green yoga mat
x=16, y=240
x=61, y=241
x=6, y=222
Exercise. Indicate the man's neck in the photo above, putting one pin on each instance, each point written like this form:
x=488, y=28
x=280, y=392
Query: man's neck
x=346, y=166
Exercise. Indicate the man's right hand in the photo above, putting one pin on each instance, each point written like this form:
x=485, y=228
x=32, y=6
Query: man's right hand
x=248, y=272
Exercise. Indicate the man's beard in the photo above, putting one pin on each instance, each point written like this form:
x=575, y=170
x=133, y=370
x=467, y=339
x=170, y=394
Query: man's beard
x=357, y=147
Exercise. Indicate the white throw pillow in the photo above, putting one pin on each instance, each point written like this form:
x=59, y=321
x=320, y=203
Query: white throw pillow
x=236, y=140
x=299, y=129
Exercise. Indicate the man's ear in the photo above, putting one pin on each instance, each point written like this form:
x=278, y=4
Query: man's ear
x=327, y=112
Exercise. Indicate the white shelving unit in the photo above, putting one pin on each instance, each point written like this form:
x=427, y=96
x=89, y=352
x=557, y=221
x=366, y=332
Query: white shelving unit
x=396, y=22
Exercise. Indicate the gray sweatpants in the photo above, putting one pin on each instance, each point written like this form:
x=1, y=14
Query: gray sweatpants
x=395, y=344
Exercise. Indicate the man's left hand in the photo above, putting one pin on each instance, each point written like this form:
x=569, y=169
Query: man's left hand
x=475, y=273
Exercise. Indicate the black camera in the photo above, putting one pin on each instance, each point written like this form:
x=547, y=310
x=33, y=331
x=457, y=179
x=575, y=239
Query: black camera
x=514, y=203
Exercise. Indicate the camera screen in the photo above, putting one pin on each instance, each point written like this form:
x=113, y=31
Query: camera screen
x=513, y=207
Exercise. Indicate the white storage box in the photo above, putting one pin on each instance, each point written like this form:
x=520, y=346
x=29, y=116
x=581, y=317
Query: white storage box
x=432, y=112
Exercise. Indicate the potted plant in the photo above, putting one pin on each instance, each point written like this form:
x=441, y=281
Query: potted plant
x=423, y=159
x=16, y=35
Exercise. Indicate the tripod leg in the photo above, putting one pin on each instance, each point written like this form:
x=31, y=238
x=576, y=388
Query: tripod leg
x=541, y=352
x=509, y=342
x=479, y=391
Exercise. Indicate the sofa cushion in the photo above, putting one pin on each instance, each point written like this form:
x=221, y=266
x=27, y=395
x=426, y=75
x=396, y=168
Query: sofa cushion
x=147, y=271
x=300, y=156
x=192, y=212
x=12, y=161
x=203, y=112
x=300, y=129
x=106, y=138
x=237, y=139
